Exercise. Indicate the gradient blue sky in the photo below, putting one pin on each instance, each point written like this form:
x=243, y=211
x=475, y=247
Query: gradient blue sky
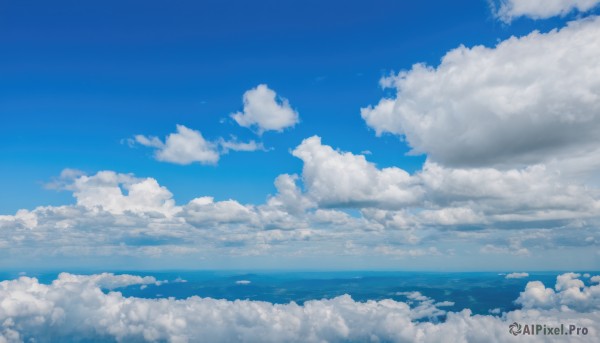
x=80, y=78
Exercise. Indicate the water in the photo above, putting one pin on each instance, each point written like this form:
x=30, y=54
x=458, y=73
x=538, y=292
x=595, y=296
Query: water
x=479, y=292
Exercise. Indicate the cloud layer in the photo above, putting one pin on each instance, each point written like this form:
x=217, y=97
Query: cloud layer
x=75, y=308
x=396, y=214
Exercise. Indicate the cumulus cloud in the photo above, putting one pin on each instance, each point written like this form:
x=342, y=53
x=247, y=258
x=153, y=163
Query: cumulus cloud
x=205, y=211
x=508, y=10
x=442, y=195
x=264, y=111
x=182, y=147
x=570, y=294
x=336, y=178
x=121, y=214
x=340, y=203
x=516, y=275
x=75, y=308
x=117, y=193
x=528, y=100
x=187, y=146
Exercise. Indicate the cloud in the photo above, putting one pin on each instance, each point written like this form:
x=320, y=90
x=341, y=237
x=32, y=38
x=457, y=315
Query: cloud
x=206, y=212
x=120, y=214
x=508, y=10
x=235, y=145
x=505, y=106
x=569, y=294
x=338, y=179
x=75, y=308
x=183, y=147
x=187, y=146
x=263, y=111
x=441, y=195
x=340, y=204
x=517, y=275
x=117, y=193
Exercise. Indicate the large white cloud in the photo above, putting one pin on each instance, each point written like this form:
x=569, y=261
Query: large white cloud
x=507, y=10
x=183, y=147
x=446, y=196
x=75, y=308
x=527, y=100
x=264, y=111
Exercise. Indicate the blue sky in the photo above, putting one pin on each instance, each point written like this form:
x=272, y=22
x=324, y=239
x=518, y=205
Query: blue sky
x=77, y=78
x=78, y=81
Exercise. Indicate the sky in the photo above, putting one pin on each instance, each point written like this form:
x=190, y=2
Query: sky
x=427, y=135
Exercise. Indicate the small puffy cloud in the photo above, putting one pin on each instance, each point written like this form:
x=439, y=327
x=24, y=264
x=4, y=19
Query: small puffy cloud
x=235, y=145
x=508, y=10
x=242, y=282
x=527, y=100
x=187, y=146
x=183, y=147
x=264, y=111
x=516, y=275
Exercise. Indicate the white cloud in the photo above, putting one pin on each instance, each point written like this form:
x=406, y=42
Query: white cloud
x=205, y=212
x=570, y=294
x=516, y=275
x=235, y=145
x=183, y=147
x=441, y=195
x=335, y=178
x=264, y=111
x=75, y=308
x=117, y=193
x=188, y=146
x=528, y=100
x=508, y=10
